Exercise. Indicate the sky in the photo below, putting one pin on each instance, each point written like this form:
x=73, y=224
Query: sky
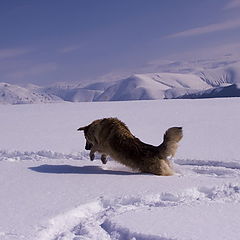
x=48, y=41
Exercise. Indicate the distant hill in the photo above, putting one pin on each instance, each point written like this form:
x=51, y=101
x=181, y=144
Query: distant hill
x=13, y=94
x=221, y=79
x=218, y=92
x=153, y=86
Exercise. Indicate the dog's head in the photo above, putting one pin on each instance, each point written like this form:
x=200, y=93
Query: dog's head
x=88, y=145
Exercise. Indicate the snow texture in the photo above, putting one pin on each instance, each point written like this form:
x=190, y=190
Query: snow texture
x=50, y=190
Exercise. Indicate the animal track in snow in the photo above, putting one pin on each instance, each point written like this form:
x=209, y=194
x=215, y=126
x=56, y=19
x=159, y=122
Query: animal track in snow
x=190, y=162
x=214, y=168
x=39, y=155
x=93, y=220
x=210, y=168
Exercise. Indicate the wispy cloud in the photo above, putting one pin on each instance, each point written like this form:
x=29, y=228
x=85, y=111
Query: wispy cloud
x=232, y=4
x=12, y=52
x=227, y=25
x=70, y=48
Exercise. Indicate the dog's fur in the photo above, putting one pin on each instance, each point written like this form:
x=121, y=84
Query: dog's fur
x=110, y=136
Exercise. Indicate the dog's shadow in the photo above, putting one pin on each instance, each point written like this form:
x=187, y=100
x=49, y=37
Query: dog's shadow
x=69, y=169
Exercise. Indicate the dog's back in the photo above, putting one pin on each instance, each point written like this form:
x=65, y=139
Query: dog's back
x=124, y=147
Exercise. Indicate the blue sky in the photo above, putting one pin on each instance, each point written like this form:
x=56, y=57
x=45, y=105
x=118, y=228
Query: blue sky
x=47, y=41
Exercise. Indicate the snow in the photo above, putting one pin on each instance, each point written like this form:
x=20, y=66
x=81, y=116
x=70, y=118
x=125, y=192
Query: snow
x=50, y=190
x=217, y=215
x=232, y=90
x=152, y=86
x=13, y=94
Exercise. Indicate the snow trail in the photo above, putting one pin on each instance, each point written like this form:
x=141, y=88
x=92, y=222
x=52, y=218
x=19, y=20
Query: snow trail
x=94, y=220
x=40, y=155
x=193, y=162
x=97, y=219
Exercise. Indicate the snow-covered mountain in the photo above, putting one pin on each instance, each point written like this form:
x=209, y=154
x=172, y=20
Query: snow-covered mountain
x=232, y=90
x=225, y=82
x=13, y=94
x=153, y=86
x=72, y=94
x=217, y=79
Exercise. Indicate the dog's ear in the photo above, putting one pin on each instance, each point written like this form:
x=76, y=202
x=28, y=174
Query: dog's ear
x=81, y=128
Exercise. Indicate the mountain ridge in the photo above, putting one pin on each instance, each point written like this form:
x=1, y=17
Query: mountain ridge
x=216, y=81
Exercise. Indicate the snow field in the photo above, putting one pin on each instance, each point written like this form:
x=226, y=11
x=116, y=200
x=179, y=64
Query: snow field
x=110, y=214
x=50, y=190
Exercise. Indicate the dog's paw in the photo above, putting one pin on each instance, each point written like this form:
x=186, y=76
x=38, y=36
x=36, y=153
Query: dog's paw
x=104, y=159
x=92, y=156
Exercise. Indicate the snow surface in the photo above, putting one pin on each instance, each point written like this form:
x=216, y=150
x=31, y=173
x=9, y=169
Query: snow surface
x=50, y=190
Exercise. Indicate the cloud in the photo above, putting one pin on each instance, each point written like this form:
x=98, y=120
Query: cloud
x=12, y=52
x=232, y=4
x=70, y=48
x=230, y=24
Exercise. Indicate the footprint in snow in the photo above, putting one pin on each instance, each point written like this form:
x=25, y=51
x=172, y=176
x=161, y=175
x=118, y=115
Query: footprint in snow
x=97, y=220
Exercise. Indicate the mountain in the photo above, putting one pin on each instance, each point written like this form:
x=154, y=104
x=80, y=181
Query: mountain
x=153, y=86
x=222, y=76
x=72, y=94
x=185, y=80
x=188, y=82
x=218, y=92
x=225, y=82
x=13, y=94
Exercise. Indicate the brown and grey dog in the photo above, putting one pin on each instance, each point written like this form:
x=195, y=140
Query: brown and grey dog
x=110, y=136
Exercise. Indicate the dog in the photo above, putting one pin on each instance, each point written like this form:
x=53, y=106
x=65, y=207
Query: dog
x=111, y=137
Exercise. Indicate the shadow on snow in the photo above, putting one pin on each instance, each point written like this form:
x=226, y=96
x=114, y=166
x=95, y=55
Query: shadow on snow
x=68, y=169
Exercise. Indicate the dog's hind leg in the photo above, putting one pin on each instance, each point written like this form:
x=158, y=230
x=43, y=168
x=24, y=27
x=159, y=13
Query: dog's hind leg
x=92, y=156
x=104, y=158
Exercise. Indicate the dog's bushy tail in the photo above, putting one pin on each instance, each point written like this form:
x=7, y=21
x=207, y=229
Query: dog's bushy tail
x=170, y=142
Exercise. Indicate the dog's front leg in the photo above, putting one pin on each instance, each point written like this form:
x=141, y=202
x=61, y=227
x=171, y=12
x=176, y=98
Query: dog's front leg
x=94, y=149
